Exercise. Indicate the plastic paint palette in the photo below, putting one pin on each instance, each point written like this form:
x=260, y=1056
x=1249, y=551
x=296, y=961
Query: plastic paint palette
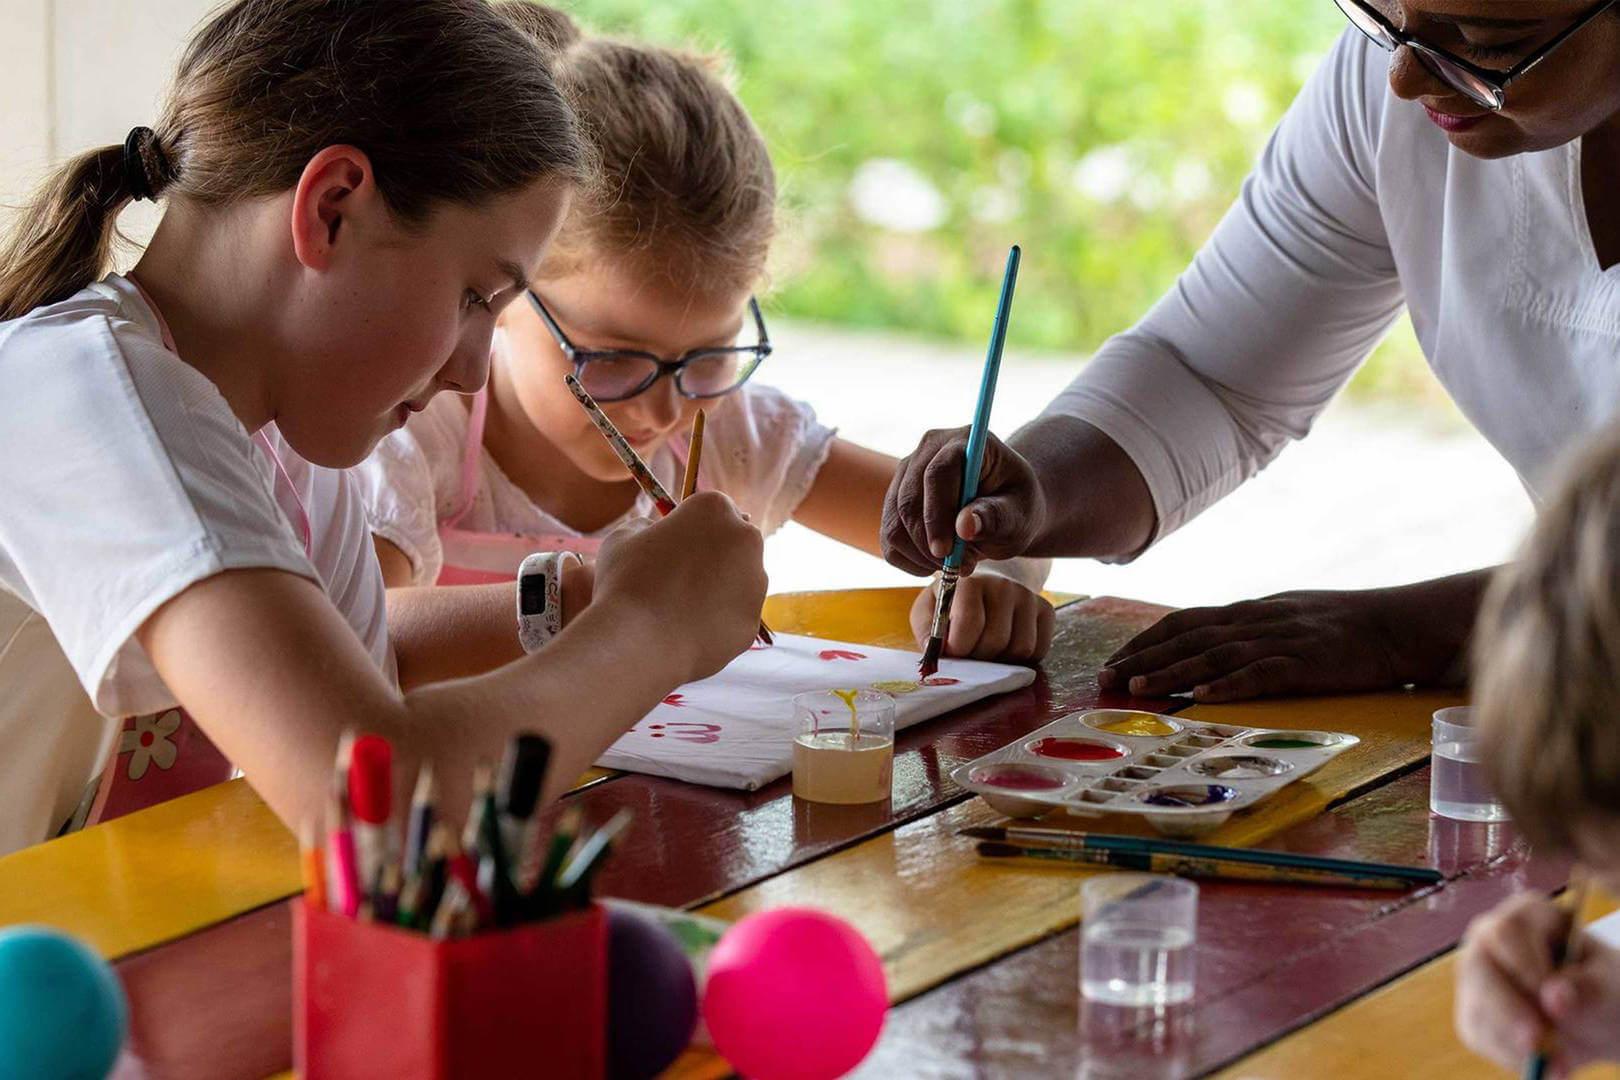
x=1184, y=776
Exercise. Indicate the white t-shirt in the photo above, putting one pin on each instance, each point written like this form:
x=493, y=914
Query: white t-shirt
x=127, y=479
x=761, y=447
x=1359, y=206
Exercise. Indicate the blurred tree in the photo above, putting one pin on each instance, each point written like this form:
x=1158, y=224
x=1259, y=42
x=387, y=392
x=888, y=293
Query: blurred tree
x=915, y=139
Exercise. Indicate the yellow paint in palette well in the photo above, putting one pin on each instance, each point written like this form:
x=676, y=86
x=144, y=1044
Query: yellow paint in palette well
x=1139, y=724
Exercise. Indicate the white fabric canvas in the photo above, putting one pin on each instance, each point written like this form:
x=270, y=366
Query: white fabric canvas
x=736, y=729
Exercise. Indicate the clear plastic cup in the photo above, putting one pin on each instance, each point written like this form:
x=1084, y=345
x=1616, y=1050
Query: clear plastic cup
x=1458, y=785
x=844, y=749
x=1136, y=939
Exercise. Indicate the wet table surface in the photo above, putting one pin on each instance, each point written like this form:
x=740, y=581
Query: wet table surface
x=216, y=1003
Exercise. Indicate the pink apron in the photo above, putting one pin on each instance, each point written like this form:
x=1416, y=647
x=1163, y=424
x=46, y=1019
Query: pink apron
x=481, y=558
x=166, y=755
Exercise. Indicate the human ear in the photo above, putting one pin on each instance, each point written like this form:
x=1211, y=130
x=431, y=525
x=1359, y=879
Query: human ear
x=335, y=183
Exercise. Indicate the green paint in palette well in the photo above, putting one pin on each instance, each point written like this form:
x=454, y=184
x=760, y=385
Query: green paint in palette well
x=1281, y=743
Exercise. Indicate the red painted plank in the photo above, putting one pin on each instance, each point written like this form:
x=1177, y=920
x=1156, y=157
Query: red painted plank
x=1269, y=958
x=213, y=1006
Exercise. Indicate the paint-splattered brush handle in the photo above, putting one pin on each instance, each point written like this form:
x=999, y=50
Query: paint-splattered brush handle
x=639, y=471
x=643, y=476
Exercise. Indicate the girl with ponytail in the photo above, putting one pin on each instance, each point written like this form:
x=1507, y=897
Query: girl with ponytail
x=353, y=190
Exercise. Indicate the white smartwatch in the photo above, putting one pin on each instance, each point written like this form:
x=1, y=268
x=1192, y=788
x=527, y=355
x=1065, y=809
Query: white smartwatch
x=539, y=598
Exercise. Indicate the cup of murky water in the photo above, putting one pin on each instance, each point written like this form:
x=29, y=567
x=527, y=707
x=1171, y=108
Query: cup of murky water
x=1459, y=787
x=1136, y=939
x=844, y=750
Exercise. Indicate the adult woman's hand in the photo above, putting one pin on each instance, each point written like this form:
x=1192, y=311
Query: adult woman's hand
x=1304, y=643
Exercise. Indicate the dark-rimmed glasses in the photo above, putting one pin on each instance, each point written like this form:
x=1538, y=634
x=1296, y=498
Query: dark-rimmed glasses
x=621, y=374
x=1482, y=86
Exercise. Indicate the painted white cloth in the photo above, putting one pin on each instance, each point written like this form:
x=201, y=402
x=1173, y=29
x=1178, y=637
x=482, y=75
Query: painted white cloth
x=126, y=480
x=1359, y=206
x=736, y=729
x=762, y=448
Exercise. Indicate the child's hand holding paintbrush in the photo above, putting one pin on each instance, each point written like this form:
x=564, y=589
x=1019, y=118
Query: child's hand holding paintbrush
x=1533, y=993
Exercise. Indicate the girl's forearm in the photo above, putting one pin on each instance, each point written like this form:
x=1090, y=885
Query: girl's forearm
x=450, y=632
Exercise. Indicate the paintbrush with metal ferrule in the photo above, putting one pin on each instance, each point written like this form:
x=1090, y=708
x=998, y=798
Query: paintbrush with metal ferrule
x=978, y=434
x=639, y=471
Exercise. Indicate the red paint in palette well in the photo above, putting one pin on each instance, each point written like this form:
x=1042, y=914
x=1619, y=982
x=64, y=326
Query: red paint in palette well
x=1076, y=750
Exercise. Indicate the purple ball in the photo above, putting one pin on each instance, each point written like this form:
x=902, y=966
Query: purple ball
x=652, y=997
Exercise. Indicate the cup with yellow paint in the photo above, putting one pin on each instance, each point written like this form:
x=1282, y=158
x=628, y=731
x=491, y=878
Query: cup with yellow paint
x=844, y=749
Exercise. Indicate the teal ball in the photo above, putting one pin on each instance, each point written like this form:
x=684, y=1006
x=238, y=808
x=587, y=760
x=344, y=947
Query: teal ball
x=62, y=1011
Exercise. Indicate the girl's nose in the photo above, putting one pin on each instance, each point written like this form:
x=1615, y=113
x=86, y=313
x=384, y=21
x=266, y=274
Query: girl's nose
x=468, y=367
x=661, y=404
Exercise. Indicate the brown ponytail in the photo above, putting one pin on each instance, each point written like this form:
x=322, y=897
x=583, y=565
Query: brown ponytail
x=686, y=187
x=448, y=99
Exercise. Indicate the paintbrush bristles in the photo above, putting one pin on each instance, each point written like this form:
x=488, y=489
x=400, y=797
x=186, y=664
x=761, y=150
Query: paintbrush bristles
x=942, y=615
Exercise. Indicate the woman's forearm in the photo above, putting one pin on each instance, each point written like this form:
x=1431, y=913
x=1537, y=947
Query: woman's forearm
x=1096, y=503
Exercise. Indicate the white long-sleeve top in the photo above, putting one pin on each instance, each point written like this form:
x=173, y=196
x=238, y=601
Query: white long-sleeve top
x=1359, y=206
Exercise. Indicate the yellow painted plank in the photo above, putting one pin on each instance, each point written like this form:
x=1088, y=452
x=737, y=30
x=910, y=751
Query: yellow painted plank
x=1407, y=1022
x=933, y=909
x=156, y=874
x=865, y=616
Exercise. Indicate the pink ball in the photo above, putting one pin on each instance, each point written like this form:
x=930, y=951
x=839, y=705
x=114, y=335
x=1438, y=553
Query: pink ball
x=794, y=994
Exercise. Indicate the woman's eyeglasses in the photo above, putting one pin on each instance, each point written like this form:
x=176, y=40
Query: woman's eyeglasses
x=621, y=374
x=1483, y=87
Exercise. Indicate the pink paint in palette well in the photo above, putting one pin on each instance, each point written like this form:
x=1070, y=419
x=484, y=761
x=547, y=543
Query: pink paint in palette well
x=1018, y=777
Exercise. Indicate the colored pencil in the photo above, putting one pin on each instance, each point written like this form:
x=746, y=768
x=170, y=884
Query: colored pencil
x=589, y=853
x=1074, y=840
x=420, y=823
x=694, y=453
x=537, y=877
x=1184, y=866
x=342, y=872
x=977, y=436
x=312, y=861
x=639, y=471
x=1574, y=901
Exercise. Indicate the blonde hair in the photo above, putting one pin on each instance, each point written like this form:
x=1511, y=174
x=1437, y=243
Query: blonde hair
x=686, y=188
x=448, y=100
x=1547, y=658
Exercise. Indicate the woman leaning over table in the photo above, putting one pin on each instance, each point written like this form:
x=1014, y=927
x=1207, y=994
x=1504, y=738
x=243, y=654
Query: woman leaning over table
x=1453, y=157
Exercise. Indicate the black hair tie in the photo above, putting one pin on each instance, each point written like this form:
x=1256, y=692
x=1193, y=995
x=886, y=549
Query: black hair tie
x=146, y=170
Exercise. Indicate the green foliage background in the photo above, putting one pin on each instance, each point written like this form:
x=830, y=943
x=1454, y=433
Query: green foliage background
x=1000, y=104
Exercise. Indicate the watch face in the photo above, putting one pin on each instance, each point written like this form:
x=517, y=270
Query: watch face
x=532, y=594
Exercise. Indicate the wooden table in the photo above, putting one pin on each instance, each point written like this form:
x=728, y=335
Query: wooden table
x=188, y=899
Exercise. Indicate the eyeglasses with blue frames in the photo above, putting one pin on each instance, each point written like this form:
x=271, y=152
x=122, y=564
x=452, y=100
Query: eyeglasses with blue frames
x=621, y=374
x=1483, y=87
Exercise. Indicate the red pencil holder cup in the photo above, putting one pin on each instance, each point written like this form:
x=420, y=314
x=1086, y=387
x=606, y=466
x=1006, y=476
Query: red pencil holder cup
x=371, y=1000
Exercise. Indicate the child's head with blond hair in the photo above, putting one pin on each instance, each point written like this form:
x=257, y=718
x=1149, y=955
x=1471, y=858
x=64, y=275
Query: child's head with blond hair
x=1547, y=666
x=660, y=257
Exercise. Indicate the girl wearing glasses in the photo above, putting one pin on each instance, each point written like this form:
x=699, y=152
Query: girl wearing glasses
x=1455, y=158
x=646, y=296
